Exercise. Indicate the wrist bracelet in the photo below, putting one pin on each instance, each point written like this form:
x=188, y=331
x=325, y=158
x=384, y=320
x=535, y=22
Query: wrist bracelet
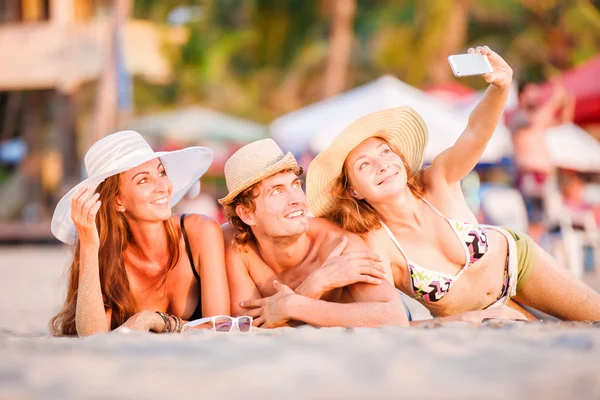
x=167, y=327
x=177, y=323
x=174, y=325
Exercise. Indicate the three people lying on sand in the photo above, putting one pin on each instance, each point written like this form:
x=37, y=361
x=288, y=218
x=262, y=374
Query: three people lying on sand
x=381, y=223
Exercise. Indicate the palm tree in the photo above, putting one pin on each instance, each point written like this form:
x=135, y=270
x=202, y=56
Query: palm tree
x=340, y=45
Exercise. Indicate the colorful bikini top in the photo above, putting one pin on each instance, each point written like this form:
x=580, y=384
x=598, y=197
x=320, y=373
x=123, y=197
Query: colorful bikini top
x=430, y=285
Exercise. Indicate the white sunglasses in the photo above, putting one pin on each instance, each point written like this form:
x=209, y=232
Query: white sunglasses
x=222, y=323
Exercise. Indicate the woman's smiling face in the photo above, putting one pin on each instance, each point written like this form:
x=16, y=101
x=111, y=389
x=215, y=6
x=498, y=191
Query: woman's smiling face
x=374, y=171
x=145, y=192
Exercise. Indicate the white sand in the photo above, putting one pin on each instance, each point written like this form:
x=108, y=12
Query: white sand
x=512, y=360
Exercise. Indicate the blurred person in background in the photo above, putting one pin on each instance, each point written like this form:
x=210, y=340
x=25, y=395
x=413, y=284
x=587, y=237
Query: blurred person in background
x=135, y=264
x=574, y=196
x=370, y=181
x=528, y=124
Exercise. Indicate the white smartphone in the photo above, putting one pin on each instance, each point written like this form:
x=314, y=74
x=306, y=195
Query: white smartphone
x=469, y=64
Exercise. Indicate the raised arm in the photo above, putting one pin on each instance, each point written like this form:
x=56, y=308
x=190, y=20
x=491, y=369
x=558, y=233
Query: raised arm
x=567, y=113
x=241, y=285
x=456, y=162
x=206, y=236
x=90, y=315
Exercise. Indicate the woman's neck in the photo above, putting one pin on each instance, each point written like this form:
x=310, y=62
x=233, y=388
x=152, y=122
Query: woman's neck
x=402, y=211
x=148, y=242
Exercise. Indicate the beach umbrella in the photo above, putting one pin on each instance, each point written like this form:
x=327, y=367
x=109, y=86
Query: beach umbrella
x=583, y=82
x=315, y=126
x=193, y=124
x=571, y=147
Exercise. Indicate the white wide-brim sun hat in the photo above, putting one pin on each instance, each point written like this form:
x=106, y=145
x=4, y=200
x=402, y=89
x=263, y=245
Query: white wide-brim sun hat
x=120, y=152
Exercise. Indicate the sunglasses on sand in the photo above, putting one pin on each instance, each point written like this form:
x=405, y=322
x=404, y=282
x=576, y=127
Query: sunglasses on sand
x=221, y=323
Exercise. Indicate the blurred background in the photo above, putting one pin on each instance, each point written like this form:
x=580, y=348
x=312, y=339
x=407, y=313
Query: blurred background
x=222, y=73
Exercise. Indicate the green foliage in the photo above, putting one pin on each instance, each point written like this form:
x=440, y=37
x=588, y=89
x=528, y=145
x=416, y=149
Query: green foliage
x=261, y=58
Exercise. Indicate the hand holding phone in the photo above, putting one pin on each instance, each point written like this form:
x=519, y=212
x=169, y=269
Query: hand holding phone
x=469, y=64
x=482, y=61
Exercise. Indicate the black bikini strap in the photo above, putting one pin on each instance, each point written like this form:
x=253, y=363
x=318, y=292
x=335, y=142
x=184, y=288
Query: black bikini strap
x=188, y=248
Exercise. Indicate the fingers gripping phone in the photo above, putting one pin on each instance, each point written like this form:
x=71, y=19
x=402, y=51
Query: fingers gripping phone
x=469, y=64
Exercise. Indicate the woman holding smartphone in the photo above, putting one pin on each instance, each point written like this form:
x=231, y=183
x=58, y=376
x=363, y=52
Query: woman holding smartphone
x=370, y=182
x=135, y=264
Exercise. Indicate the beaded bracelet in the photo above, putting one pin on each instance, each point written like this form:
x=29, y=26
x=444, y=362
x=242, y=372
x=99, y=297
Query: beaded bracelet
x=167, y=327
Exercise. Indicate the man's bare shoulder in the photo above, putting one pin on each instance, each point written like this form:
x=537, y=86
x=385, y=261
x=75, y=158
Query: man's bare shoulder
x=234, y=248
x=228, y=232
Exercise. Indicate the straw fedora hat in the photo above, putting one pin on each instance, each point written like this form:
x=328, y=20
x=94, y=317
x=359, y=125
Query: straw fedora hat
x=402, y=127
x=253, y=163
x=120, y=152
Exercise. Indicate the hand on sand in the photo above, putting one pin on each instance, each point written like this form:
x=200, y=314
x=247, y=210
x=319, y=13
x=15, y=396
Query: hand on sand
x=502, y=75
x=270, y=312
x=144, y=321
x=340, y=270
x=84, y=207
x=503, y=312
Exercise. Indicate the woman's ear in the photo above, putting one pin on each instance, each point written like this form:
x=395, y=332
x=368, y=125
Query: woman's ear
x=118, y=205
x=354, y=193
x=245, y=215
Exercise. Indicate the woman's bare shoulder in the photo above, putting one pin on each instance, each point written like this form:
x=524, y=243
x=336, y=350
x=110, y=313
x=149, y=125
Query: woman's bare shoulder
x=375, y=238
x=199, y=225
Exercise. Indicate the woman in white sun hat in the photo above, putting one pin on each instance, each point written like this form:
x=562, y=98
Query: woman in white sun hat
x=370, y=182
x=135, y=264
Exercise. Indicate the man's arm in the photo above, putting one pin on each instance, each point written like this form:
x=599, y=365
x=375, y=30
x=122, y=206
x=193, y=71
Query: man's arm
x=373, y=306
x=340, y=269
x=545, y=116
x=241, y=285
x=364, y=314
x=285, y=305
x=567, y=113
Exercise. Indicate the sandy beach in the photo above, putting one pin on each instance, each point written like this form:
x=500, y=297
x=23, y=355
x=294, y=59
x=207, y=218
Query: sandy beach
x=497, y=361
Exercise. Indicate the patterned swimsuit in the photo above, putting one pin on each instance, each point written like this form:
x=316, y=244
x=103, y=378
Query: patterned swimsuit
x=428, y=285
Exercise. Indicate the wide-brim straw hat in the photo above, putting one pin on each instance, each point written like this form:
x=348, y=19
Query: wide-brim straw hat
x=402, y=127
x=120, y=152
x=253, y=163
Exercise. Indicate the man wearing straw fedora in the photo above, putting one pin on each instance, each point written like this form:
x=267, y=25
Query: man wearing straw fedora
x=284, y=266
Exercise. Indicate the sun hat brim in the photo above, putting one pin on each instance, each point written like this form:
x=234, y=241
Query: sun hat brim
x=184, y=167
x=287, y=162
x=402, y=127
